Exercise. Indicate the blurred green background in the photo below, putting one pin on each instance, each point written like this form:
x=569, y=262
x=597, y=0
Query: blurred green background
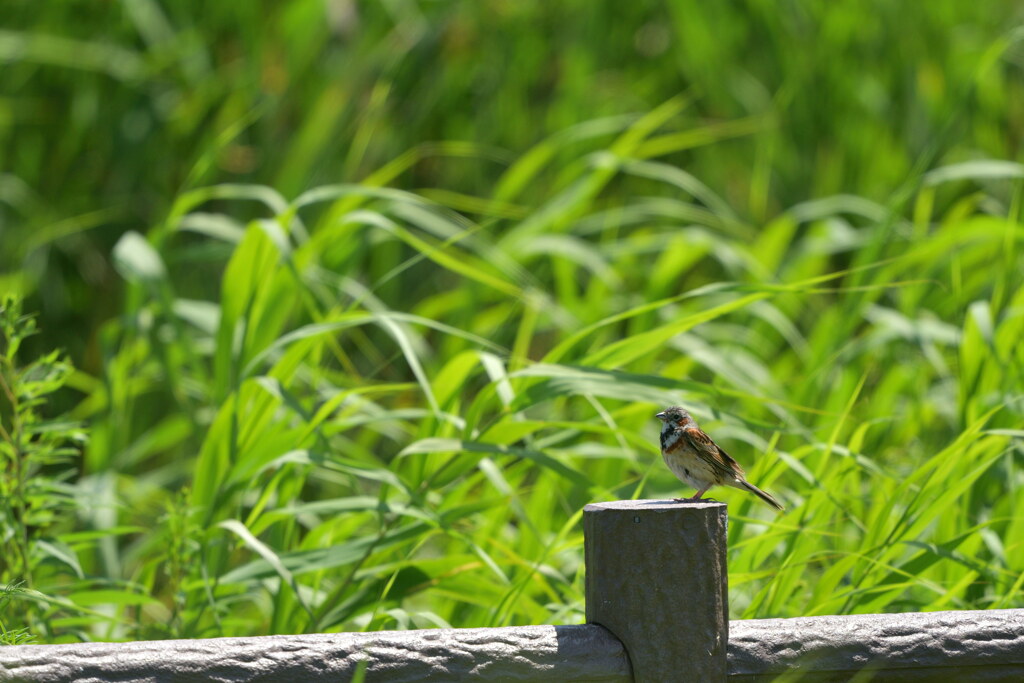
x=367, y=300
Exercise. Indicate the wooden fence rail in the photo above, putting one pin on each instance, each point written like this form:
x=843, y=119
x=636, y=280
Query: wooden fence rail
x=657, y=600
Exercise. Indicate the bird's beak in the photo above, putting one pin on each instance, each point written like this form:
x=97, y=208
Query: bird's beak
x=660, y=416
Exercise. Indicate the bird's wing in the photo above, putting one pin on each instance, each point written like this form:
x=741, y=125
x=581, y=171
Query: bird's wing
x=720, y=461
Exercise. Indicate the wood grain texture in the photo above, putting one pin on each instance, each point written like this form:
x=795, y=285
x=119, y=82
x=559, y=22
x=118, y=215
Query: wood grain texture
x=986, y=646
x=522, y=653
x=922, y=646
x=656, y=578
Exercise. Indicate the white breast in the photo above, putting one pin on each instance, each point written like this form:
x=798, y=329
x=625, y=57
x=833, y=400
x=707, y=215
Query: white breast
x=683, y=462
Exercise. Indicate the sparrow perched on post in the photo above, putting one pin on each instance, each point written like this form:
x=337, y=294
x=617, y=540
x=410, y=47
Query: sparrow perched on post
x=697, y=460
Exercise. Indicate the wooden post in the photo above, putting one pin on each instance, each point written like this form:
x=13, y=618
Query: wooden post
x=656, y=578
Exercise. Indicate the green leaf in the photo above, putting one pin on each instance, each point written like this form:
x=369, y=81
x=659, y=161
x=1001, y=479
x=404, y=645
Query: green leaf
x=137, y=260
x=436, y=445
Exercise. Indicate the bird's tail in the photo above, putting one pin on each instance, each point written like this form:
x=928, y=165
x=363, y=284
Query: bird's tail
x=766, y=497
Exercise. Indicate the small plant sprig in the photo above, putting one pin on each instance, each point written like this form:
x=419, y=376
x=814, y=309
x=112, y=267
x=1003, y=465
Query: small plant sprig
x=35, y=454
x=12, y=636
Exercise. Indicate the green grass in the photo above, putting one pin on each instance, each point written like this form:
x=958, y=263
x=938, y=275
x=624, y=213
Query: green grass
x=383, y=403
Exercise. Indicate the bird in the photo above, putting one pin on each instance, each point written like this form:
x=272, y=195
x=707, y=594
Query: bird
x=697, y=460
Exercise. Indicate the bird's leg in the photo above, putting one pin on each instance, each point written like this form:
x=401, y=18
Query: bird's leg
x=695, y=497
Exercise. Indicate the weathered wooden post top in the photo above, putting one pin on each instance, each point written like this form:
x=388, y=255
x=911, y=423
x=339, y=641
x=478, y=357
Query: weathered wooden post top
x=656, y=578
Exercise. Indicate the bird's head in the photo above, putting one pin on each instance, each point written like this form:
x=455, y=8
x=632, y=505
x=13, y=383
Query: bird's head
x=673, y=415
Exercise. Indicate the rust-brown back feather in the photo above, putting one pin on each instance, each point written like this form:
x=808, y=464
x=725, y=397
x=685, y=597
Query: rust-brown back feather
x=720, y=461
